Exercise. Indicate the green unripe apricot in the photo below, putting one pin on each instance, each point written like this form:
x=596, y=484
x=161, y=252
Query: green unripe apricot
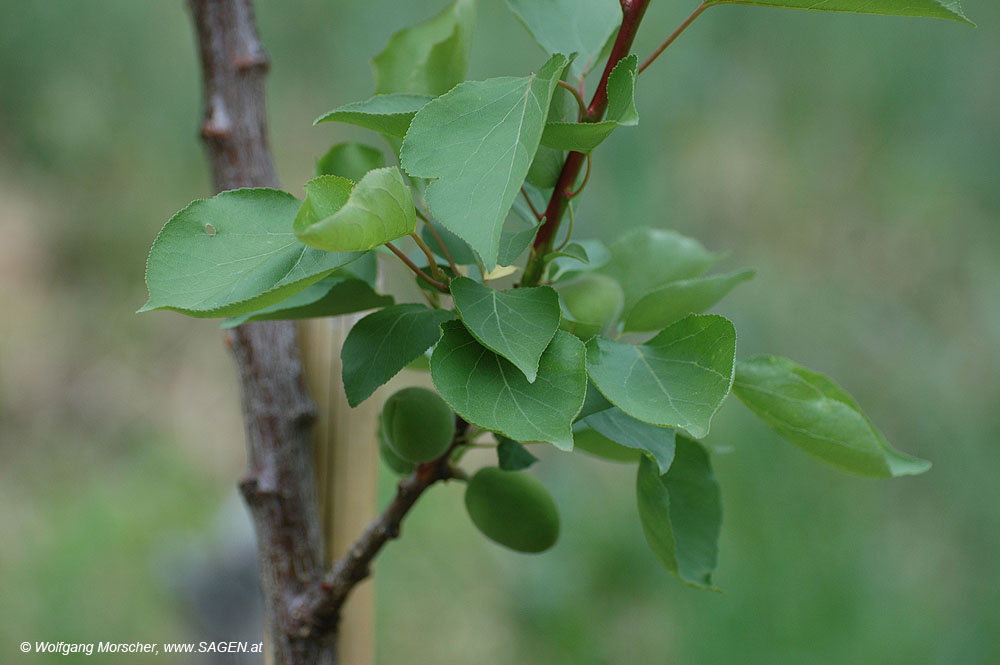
x=419, y=425
x=591, y=303
x=513, y=509
x=398, y=465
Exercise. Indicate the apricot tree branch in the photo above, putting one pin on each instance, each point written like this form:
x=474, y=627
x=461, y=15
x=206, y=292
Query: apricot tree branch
x=632, y=13
x=277, y=412
x=320, y=608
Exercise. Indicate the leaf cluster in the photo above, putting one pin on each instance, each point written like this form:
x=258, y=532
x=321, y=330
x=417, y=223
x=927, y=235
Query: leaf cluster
x=609, y=352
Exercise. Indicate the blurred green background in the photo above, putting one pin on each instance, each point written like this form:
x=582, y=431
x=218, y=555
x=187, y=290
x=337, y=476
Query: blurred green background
x=855, y=161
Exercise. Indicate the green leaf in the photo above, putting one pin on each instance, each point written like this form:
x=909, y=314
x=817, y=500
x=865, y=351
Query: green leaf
x=518, y=232
x=518, y=325
x=332, y=296
x=818, y=416
x=562, y=268
x=681, y=513
x=430, y=57
x=512, y=456
x=385, y=342
x=365, y=268
x=574, y=251
x=478, y=141
x=570, y=26
x=386, y=114
x=377, y=210
x=645, y=259
x=460, y=252
x=947, y=9
x=585, y=136
x=350, y=160
x=546, y=167
x=625, y=430
x=677, y=379
x=593, y=402
x=233, y=254
x=593, y=443
x=672, y=302
x=489, y=392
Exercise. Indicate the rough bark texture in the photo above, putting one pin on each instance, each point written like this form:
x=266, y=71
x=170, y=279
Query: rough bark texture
x=278, y=413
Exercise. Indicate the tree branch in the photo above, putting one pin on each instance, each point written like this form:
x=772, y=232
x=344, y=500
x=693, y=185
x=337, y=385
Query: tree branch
x=280, y=485
x=320, y=608
x=632, y=13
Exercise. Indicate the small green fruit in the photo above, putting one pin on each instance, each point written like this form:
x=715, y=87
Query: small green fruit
x=397, y=464
x=419, y=424
x=591, y=303
x=513, y=509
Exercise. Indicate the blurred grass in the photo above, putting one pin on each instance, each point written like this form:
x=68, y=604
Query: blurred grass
x=853, y=160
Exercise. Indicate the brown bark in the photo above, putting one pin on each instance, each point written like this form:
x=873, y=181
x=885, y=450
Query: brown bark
x=278, y=413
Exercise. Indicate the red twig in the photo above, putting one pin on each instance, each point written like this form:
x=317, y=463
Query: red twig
x=632, y=13
x=670, y=40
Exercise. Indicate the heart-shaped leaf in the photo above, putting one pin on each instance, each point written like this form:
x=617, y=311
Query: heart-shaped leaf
x=518, y=325
x=377, y=210
x=233, y=254
x=677, y=379
x=489, y=392
x=818, y=416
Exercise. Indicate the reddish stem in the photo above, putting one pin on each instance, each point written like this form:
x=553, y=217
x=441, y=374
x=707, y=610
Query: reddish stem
x=632, y=13
x=670, y=40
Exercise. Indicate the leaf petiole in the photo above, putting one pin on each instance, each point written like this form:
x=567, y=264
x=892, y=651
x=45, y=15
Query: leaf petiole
x=582, y=105
x=431, y=261
x=440, y=286
x=670, y=40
